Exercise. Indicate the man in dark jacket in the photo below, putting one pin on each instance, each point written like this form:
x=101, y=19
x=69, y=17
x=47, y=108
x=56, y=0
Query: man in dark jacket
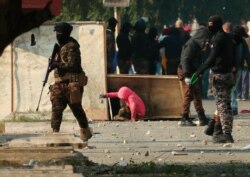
x=140, y=45
x=110, y=44
x=190, y=61
x=221, y=60
x=173, y=46
x=153, y=50
x=124, y=48
x=242, y=55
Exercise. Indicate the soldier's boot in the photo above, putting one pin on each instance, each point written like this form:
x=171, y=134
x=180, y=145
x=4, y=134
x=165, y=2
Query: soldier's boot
x=85, y=134
x=229, y=138
x=186, y=121
x=210, y=128
x=218, y=136
x=203, y=119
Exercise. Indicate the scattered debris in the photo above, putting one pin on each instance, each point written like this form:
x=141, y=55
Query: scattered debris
x=148, y=132
x=123, y=162
x=227, y=145
x=106, y=151
x=179, y=145
x=31, y=163
x=178, y=153
x=192, y=135
x=204, y=142
x=247, y=147
x=137, y=153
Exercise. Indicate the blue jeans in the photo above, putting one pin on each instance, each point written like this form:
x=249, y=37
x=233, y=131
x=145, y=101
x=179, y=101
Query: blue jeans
x=234, y=102
x=242, y=83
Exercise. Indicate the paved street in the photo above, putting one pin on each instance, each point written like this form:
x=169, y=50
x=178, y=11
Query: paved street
x=154, y=141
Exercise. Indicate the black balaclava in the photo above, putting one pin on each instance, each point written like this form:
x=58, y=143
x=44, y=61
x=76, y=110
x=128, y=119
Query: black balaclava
x=215, y=24
x=63, y=30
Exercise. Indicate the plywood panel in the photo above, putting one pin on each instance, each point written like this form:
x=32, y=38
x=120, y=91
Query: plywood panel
x=162, y=95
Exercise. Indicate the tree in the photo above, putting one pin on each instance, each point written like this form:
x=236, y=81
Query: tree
x=159, y=12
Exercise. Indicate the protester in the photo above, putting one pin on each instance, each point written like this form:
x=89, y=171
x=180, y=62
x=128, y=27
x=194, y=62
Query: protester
x=124, y=48
x=185, y=35
x=173, y=46
x=132, y=106
x=110, y=44
x=243, y=63
x=140, y=46
x=227, y=27
x=163, y=35
x=221, y=60
x=153, y=50
x=190, y=61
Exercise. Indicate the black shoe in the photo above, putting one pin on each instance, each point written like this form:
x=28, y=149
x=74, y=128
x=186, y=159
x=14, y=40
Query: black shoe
x=235, y=112
x=204, y=122
x=229, y=138
x=220, y=138
x=187, y=123
x=210, y=128
x=203, y=119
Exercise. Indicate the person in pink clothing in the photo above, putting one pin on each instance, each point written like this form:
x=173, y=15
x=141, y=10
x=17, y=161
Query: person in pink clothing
x=132, y=106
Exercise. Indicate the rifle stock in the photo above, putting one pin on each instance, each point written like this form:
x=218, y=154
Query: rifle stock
x=50, y=60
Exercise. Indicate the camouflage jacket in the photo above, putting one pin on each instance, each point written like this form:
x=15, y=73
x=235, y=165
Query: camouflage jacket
x=69, y=58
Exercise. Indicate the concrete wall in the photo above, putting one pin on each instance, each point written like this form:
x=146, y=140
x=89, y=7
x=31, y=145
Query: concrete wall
x=30, y=64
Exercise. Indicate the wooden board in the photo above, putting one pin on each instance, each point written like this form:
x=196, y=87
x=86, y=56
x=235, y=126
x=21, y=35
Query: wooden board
x=162, y=95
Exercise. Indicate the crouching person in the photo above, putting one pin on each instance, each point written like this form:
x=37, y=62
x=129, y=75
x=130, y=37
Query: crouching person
x=70, y=80
x=132, y=106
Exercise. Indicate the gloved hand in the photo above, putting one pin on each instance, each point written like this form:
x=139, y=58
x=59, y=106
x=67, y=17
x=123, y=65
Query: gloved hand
x=102, y=96
x=187, y=80
x=53, y=66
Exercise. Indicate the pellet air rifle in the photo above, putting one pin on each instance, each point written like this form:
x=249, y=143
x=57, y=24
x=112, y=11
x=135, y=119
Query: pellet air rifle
x=50, y=61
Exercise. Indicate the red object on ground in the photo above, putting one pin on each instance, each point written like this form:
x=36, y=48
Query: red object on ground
x=245, y=111
x=31, y=5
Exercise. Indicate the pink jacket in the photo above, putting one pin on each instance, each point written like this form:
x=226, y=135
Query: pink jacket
x=132, y=100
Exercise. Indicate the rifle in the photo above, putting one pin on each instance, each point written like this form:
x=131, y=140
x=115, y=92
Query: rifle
x=50, y=61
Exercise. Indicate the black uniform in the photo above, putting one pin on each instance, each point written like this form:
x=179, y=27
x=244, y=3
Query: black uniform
x=221, y=60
